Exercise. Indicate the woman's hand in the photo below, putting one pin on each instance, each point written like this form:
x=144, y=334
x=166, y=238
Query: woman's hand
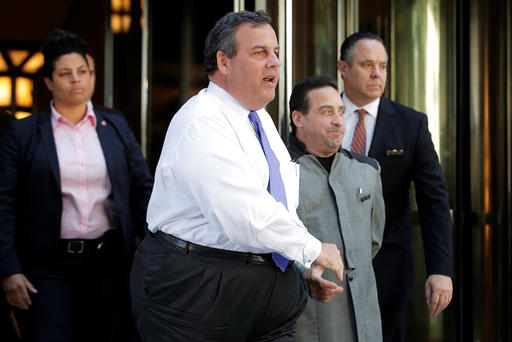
x=16, y=287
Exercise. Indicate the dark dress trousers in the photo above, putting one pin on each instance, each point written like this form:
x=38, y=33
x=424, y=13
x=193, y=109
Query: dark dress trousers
x=30, y=224
x=403, y=147
x=195, y=293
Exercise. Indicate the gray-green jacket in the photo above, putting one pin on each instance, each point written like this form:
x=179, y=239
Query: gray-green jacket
x=344, y=207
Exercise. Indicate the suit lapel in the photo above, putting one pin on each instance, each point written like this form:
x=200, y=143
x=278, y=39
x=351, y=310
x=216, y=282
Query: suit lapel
x=104, y=135
x=383, y=127
x=46, y=132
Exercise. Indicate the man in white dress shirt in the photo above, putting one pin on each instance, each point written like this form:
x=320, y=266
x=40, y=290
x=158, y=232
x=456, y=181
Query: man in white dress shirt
x=206, y=270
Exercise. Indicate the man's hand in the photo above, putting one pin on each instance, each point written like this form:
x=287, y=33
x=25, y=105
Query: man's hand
x=330, y=258
x=438, y=292
x=15, y=288
x=320, y=289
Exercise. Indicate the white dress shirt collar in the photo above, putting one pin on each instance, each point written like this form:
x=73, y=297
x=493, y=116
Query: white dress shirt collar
x=371, y=108
x=227, y=99
x=234, y=107
x=352, y=118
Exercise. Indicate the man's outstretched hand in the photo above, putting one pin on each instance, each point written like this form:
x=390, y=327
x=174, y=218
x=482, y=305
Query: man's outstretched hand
x=320, y=289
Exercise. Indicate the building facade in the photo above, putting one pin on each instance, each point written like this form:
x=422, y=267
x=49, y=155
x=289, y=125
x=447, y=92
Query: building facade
x=451, y=59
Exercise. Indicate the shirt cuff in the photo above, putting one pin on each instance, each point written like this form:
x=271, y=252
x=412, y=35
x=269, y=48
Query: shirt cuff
x=311, y=250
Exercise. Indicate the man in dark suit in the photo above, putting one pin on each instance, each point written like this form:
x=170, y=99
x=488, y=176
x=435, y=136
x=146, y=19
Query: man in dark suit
x=398, y=138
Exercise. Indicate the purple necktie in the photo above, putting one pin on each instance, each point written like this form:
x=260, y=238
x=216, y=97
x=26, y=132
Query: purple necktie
x=275, y=183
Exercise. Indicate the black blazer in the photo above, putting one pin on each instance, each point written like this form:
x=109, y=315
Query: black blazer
x=403, y=146
x=30, y=190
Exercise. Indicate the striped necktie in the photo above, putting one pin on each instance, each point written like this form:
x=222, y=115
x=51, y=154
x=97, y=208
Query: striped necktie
x=359, y=139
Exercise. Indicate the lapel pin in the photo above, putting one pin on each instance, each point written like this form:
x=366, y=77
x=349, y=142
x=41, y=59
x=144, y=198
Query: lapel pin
x=103, y=123
x=395, y=152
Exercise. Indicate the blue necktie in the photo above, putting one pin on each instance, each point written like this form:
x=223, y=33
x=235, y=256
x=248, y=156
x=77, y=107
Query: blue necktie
x=275, y=184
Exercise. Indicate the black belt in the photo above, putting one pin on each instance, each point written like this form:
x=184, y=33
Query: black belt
x=89, y=247
x=194, y=249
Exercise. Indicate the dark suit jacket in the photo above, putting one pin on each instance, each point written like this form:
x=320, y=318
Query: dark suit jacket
x=405, y=130
x=30, y=190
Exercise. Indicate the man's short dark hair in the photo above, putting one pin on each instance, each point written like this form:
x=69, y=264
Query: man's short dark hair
x=348, y=46
x=299, y=100
x=61, y=43
x=222, y=36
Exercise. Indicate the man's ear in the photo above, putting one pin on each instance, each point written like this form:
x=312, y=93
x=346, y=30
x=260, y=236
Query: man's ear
x=223, y=62
x=297, y=118
x=342, y=67
x=49, y=83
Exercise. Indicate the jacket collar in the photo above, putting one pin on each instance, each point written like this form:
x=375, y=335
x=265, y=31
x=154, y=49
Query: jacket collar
x=297, y=149
x=45, y=128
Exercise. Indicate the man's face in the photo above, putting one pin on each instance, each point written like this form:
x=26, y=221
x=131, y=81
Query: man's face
x=365, y=80
x=323, y=127
x=252, y=74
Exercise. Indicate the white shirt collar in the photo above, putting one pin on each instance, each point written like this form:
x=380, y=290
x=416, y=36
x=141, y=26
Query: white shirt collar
x=372, y=108
x=241, y=111
x=226, y=97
